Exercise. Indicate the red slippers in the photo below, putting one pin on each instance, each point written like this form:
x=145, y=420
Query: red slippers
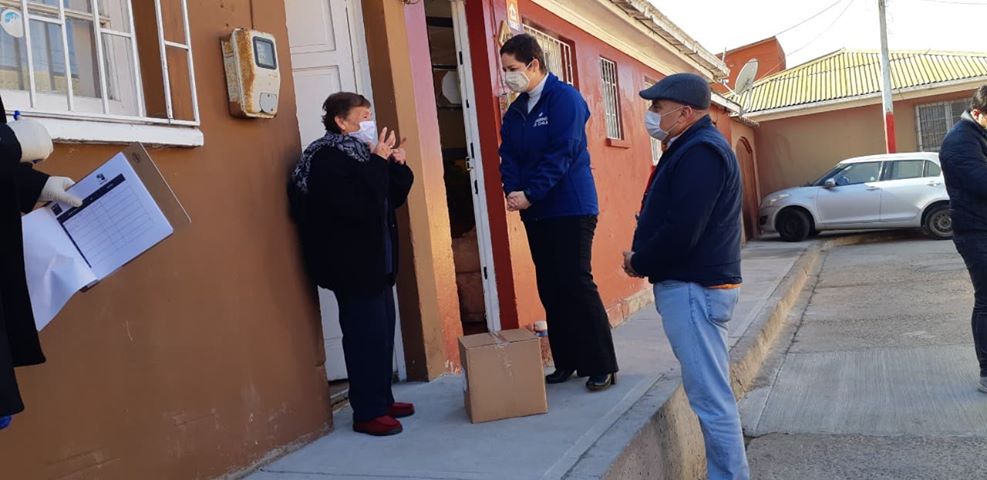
x=379, y=427
x=401, y=410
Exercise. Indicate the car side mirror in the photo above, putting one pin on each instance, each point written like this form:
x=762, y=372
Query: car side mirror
x=831, y=183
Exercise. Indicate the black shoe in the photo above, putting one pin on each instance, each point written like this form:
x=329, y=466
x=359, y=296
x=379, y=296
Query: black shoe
x=559, y=376
x=598, y=383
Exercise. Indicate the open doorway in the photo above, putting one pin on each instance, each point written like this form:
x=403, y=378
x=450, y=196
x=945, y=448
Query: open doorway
x=748, y=170
x=469, y=229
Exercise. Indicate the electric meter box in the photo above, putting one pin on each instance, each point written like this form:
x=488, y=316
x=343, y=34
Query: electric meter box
x=253, y=78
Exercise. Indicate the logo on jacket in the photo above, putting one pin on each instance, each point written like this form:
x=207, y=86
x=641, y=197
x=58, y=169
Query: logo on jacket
x=542, y=120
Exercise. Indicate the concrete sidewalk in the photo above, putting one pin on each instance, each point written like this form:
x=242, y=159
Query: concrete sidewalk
x=581, y=437
x=876, y=376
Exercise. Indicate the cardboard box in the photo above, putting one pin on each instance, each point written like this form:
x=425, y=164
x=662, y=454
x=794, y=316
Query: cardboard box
x=503, y=375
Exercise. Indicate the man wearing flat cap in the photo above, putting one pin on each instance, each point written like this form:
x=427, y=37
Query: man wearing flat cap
x=688, y=245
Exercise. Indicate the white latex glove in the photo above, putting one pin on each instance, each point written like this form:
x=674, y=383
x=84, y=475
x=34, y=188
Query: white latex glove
x=55, y=191
x=34, y=139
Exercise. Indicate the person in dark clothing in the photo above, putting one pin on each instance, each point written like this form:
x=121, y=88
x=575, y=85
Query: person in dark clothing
x=343, y=194
x=545, y=167
x=687, y=243
x=964, y=165
x=21, y=143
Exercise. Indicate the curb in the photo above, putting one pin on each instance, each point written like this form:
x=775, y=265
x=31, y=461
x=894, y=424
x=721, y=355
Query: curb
x=669, y=444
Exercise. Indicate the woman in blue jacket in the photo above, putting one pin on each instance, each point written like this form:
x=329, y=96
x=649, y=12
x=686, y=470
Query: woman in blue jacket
x=545, y=168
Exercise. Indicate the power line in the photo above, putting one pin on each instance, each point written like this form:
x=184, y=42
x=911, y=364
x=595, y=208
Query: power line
x=817, y=37
x=826, y=30
x=955, y=2
x=813, y=17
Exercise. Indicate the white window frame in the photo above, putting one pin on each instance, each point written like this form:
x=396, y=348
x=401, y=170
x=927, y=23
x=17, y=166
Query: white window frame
x=947, y=107
x=558, y=54
x=78, y=125
x=611, y=99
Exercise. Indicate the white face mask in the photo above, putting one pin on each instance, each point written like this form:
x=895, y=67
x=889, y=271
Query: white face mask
x=652, y=122
x=517, y=80
x=367, y=132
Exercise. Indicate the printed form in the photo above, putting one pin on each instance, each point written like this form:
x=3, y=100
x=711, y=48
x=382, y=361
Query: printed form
x=67, y=249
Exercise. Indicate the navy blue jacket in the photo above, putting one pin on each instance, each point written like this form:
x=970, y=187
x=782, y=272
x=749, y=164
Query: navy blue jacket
x=964, y=165
x=689, y=229
x=543, y=153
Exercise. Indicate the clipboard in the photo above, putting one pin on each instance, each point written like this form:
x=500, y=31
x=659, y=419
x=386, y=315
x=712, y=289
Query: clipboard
x=148, y=172
x=72, y=248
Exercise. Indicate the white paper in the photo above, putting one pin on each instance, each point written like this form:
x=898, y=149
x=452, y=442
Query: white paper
x=118, y=221
x=55, y=269
x=67, y=249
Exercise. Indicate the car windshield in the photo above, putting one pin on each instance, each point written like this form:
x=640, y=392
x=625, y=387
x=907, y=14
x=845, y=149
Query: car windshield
x=830, y=174
x=852, y=174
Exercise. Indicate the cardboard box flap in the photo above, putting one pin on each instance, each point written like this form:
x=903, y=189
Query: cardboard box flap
x=517, y=335
x=478, y=340
x=501, y=337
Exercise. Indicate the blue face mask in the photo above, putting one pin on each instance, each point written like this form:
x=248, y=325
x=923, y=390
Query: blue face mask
x=652, y=122
x=367, y=132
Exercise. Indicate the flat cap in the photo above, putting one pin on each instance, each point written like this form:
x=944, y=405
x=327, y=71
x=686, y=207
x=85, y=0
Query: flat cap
x=684, y=88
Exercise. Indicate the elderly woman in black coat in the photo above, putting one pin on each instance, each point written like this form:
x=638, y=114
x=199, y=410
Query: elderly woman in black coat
x=343, y=193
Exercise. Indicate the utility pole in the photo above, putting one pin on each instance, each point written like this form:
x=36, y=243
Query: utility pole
x=886, y=80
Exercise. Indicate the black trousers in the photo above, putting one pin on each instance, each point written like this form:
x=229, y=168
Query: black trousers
x=578, y=327
x=367, y=321
x=973, y=249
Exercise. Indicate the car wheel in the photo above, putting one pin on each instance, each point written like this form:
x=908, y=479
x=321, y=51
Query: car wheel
x=938, y=224
x=794, y=225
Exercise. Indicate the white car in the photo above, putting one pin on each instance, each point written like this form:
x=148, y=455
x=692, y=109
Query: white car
x=903, y=190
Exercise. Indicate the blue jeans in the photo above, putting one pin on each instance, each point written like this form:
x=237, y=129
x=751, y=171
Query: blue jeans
x=695, y=320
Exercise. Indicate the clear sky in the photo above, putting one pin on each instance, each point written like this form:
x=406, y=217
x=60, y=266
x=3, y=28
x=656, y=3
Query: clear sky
x=953, y=25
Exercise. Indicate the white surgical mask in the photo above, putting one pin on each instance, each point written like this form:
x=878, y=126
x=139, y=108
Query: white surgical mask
x=652, y=122
x=367, y=132
x=517, y=80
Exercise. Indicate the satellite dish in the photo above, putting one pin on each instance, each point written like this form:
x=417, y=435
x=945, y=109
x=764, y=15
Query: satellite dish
x=450, y=88
x=12, y=22
x=745, y=80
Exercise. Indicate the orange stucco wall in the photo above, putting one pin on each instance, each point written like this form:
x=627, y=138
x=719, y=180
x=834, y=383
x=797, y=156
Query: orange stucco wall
x=796, y=150
x=205, y=354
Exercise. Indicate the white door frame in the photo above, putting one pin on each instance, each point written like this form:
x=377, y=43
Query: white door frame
x=475, y=163
x=358, y=45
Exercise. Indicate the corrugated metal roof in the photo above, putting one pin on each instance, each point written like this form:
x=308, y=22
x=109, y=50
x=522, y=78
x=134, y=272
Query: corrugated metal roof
x=846, y=74
x=649, y=15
